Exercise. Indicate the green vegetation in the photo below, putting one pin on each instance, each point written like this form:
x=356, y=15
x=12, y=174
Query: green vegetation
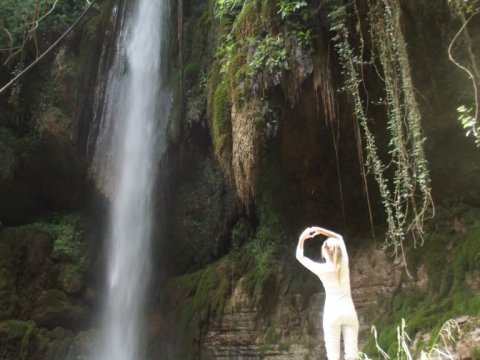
x=469, y=123
x=476, y=353
x=269, y=54
x=258, y=46
x=270, y=238
x=406, y=193
x=448, y=260
x=176, y=111
x=68, y=243
x=223, y=8
x=30, y=22
x=465, y=11
x=290, y=7
x=199, y=298
x=221, y=124
x=21, y=338
x=202, y=296
x=254, y=50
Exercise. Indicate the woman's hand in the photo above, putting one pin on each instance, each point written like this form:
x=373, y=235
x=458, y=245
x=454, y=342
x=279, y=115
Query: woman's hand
x=322, y=231
x=308, y=233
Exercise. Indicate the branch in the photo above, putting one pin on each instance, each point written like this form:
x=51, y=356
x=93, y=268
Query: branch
x=18, y=76
x=470, y=75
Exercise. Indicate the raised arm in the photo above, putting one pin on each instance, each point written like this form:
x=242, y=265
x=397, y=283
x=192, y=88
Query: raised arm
x=308, y=263
x=338, y=238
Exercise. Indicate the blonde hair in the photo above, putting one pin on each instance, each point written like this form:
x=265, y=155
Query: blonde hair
x=335, y=254
x=337, y=259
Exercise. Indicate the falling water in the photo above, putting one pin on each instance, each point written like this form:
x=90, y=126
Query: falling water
x=134, y=118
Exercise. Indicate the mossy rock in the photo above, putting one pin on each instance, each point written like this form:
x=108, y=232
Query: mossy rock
x=21, y=340
x=70, y=278
x=448, y=256
x=203, y=208
x=59, y=349
x=59, y=343
x=24, y=264
x=13, y=330
x=56, y=124
x=68, y=244
x=222, y=126
x=68, y=248
x=8, y=159
x=84, y=344
x=55, y=308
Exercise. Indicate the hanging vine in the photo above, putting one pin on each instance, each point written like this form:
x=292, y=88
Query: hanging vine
x=406, y=193
x=466, y=10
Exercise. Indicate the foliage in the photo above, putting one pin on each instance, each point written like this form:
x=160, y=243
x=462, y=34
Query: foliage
x=270, y=237
x=465, y=11
x=225, y=8
x=290, y=7
x=24, y=21
x=295, y=14
x=68, y=243
x=406, y=194
x=465, y=6
x=469, y=123
x=269, y=54
x=402, y=344
x=448, y=259
x=258, y=43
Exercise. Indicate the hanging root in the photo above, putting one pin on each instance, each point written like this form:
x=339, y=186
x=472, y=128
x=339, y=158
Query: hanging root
x=405, y=194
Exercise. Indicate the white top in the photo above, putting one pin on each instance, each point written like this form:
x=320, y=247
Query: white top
x=336, y=291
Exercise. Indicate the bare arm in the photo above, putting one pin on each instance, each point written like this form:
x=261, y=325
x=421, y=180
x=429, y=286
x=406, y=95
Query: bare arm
x=308, y=263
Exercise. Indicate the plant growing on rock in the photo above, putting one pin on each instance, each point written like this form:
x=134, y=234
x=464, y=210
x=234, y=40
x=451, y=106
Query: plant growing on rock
x=405, y=194
x=33, y=22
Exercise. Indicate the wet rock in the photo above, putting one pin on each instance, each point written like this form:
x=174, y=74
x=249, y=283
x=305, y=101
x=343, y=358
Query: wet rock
x=70, y=278
x=20, y=340
x=54, y=308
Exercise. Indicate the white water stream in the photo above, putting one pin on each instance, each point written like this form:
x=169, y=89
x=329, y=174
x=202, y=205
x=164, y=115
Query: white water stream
x=134, y=121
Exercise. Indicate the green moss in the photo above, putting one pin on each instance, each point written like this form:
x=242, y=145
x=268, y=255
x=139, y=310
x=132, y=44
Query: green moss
x=213, y=79
x=68, y=243
x=284, y=346
x=70, y=278
x=21, y=339
x=176, y=113
x=202, y=296
x=271, y=335
x=448, y=258
x=54, y=308
x=248, y=23
x=476, y=353
x=221, y=125
x=271, y=236
x=190, y=71
x=13, y=330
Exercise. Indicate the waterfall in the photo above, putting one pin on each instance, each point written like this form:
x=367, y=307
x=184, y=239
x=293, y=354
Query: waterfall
x=131, y=140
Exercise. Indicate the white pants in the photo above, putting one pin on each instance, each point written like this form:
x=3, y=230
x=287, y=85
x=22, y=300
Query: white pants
x=347, y=325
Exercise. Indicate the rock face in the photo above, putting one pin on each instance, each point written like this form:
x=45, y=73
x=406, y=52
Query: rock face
x=292, y=327
x=43, y=290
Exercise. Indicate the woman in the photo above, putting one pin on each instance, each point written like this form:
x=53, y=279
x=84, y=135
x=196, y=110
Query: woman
x=339, y=315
